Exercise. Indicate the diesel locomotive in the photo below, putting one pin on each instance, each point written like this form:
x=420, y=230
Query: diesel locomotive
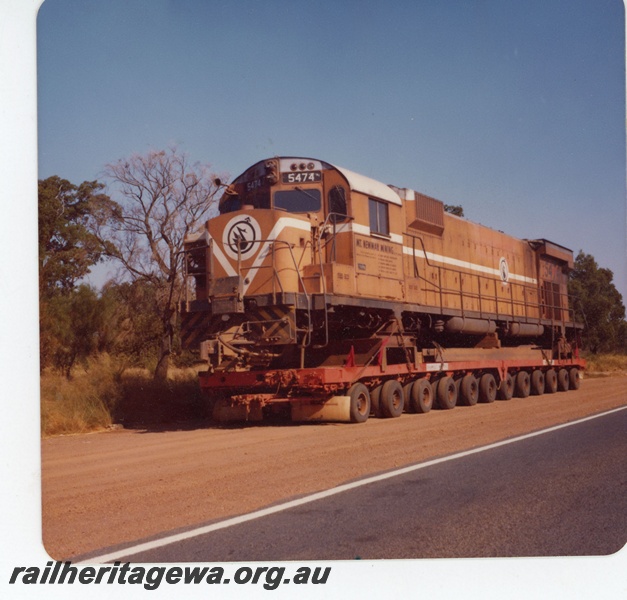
x=329, y=293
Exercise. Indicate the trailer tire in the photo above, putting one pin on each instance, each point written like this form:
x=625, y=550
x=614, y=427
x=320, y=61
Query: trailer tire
x=550, y=381
x=469, y=389
x=487, y=388
x=537, y=383
x=506, y=387
x=421, y=398
x=391, y=401
x=562, y=380
x=447, y=393
x=574, y=378
x=407, y=388
x=523, y=384
x=375, y=394
x=359, y=403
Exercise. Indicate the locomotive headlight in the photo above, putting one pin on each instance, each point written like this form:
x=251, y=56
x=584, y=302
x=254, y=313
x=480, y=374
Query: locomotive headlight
x=310, y=166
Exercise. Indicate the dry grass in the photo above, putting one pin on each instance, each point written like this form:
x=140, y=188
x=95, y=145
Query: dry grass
x=145, y=402
x=82, y=403
x=603, y=365
x=104, y=393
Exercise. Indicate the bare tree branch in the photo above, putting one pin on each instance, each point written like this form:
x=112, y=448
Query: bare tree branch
x=161, y=198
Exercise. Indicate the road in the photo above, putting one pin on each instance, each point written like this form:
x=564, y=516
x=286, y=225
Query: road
x=553, y=494
x=110, y=489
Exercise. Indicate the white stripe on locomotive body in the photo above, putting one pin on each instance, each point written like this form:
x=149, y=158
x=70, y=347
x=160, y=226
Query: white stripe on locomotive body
x=203, y=234
x=284, y=222
x=225, y=263
x=279, y=226
x=446, y=260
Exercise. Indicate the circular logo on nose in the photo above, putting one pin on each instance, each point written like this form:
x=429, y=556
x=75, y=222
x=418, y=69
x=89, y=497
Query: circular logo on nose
x=242, y=233
x=504, y=269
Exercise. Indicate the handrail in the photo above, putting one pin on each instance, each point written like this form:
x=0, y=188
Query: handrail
x=320, y=247
x=275, y=275
x=542, y=306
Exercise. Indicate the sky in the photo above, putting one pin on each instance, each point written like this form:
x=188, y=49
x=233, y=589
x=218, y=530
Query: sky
x=515, y=110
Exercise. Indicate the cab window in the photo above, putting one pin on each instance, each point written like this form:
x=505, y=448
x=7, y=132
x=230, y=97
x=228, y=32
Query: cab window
x=230, y=203
x=337, y=204
x=379, y=222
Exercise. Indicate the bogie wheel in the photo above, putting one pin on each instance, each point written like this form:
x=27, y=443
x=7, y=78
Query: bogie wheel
x=447, y=393
x=550, y=381
x=487, y=388
x=469, y=390
x=537, y=382
x=421, y=398
x=391, y=401
x=506, y=388
x=359, y=403
x=562, y=380
x=574, y=378
x=523, y=384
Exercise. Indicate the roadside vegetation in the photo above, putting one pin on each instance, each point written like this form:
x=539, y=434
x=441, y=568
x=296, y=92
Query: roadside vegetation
x=100, y=395
x=113, y=356
x=604, y=365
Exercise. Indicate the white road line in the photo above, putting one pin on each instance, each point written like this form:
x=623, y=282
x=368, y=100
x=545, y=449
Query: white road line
x=186, y=535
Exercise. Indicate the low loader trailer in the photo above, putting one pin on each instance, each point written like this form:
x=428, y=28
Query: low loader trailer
x=352, y=393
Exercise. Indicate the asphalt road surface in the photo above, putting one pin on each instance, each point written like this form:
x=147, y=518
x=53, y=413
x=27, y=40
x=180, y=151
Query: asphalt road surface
x=560, y=493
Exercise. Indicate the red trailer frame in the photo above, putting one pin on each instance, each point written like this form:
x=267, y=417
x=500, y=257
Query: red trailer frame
x=353, y=393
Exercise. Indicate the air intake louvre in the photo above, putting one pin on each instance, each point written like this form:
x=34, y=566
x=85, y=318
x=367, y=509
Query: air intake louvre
x=429, y=214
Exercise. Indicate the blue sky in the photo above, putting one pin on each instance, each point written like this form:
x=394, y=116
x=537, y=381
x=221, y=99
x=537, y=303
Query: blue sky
x=515, y=110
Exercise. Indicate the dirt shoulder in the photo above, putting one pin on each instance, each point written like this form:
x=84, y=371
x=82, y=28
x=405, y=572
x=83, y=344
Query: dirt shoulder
x=103, y=489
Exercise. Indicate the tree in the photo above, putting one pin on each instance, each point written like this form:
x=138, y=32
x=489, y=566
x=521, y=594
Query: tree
x=454, y=209
x=161, y=198
x=78, y=319
x=598, y=304
x=67, y=251
x=67, y=248
x=132, y=329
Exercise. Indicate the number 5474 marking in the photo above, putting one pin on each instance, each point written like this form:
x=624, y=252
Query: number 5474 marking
x=302, y=177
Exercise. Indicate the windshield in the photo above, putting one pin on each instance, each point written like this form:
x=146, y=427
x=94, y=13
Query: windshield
x=298, y=200
x=257, y=198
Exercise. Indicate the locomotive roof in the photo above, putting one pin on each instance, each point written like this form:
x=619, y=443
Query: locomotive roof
x=357, y=182
x=371, y=187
